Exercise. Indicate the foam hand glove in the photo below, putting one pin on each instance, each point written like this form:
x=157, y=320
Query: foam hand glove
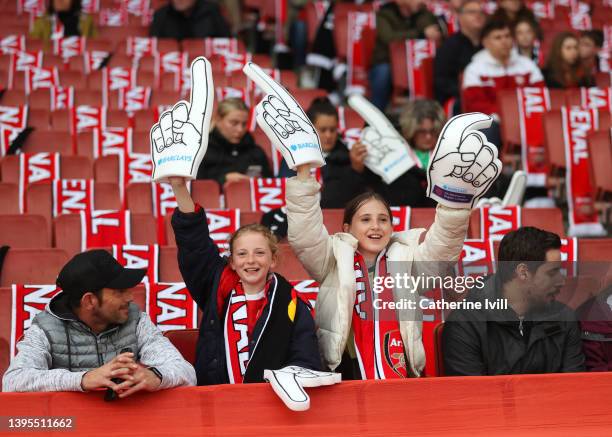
x=289, y=382
x=389, y=155
x=464, y=164
x=284, y=121
x=180, y=138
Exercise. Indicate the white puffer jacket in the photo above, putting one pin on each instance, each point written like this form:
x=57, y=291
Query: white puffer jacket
x=329, y=261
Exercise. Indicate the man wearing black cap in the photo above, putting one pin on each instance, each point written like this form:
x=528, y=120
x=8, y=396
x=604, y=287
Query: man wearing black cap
x=91, y=333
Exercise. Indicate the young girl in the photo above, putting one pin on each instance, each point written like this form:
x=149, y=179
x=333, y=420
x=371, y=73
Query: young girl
x=381, y=344
x=232, y=154
x=252, y=318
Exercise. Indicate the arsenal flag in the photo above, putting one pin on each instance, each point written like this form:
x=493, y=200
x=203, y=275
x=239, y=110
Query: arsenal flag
x=171, y=307
x=28, y=301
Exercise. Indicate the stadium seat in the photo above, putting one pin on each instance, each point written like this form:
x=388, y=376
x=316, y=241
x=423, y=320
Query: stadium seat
x=24, y=231
x=262, y=140
x=549, y=219
x=85, y=144
x=248, y=217
x=350, y=119
x=106, y=169
x=595, y=249
x=48, y=141
x=288, y=264
x=67, y=230
x=185, y=340
x=238, y=196
x=422, y=217
x=168, y=265
x=332, y=219
x=139, y=198
x=75, y=79
x=341, y=11
x=438, y=330
x=9, y=198
x=39, y=119
x=602, y=79
x=141, y=140
x=14, y=98
x=206, y=192
x=600, y=151
x=306, y=96
x=32, y=266
x=170, y=240
x=143, y=120
x=71, y=167
x=166, y=98
x=117, y=118
x=39, y=99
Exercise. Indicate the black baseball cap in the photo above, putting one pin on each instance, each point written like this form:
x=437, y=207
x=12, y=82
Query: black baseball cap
x=94, y=270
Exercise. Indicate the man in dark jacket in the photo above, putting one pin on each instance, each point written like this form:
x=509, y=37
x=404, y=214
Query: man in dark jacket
x=528, y=331
x=182, y=19
x=456, y=52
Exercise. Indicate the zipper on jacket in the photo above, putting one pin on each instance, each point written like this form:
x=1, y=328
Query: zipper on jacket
x=521, y=326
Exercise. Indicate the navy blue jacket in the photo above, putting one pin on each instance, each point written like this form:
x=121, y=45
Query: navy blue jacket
x=276, y=341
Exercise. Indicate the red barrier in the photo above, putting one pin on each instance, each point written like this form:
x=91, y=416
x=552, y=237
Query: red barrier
x=570, y=404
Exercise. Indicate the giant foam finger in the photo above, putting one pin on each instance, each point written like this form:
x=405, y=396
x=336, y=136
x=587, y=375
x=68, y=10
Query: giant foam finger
x=202, y=94
x=165, y=124
x=483, y=159
x=265, y=82
x=370, y=113
x=157, y=140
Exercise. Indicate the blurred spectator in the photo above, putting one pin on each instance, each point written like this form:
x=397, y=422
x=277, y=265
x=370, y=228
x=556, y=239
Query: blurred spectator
x=341, y=180
x=590, y=43
x=498, y=66
x=68, y=12
x=563, y=66
x=456, y=52
x=525, y=38
x=531, y=332
x=596, y=322
x=513, y=11
x=395, y=21
x=181, y=19
x=232, y=154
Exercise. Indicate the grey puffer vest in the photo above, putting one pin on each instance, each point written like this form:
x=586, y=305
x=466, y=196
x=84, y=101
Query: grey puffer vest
x=74, y=346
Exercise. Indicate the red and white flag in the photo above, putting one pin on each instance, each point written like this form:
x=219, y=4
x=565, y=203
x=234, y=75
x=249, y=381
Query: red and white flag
x=38, y=78
x=69, y=46
x=267, y=193
x=36, y=168
x=596, y=98
x=497, y=221
x=400, y=218
x=533, y=103
x=220, y=46
x=104, y=228
x=27, y=302
x=138, y=46
x=222, y=224
x=583, y=218
x=418, y=50
x=61, y=98
x=139, y=256
x=71, y=196
x=134, y=99
x=13, y=119
x=94, y=59
x=12, y=43
x=477, y=258
x=361, y=31
x=171, y=306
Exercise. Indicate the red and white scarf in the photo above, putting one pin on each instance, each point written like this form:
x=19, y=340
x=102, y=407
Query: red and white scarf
x=113, y=17
x=36, y=168
x=90, y=6
x=569, y=256
x=221, y=225
x=61, y=98
x=134, y=99
x=85, y=118
x=21, y=61
x=580, y=18
x=227, y=92
x=596, y=98
x=71, y=196
x=477, y=258
x=69, y=46
x=139, y=256
x=27, y=302
x=307, y=290
x=117, y=78
x=497, y=221
x=112, y=141
x=138, y=46
x=361, y=27
x=416, y=51
x=533, y=103
x=13, y=120
x=401, y=218
x=583, y=219
x=220, y=46
x=104, y=228
x=378, y=342
x=281, y=15
x=267, y=193
x=171, y=62
x=170, y=306
x=41, y=78
x=542, y=9
x=12, y=43
x=93, y=59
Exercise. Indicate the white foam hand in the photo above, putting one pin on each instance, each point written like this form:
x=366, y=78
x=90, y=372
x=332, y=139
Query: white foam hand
x=289, y=382
x=464, y=164
x=389, y=155
x=284, y=121
x=180, y=138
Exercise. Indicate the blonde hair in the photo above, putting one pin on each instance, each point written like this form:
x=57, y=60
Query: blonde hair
x=418, y=110
x=258, y=229
x=231, y=104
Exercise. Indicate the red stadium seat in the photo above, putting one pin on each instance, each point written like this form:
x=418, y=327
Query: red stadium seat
x=71, y=167
x=143, y=120
x=168, y=265
x=595, y=249
x=600, y=151
x=75, y=79
x=48, y=141
x=139, y=198
x=39, y=119
x=9, y=198
x=24, y=231
x=32, y=266
x=248, y=217
x=141, y=141
x=288, y=264
x=106, y=169
x=90, y=96
x=67, y=229
x=206, y=193
x=14, y=98
x=332, y=219
x=117, y=118
x=170, y=240
x=85, y=144
x=185, y=340
x=603, y=80
x=262, y=140
x=39, y=99
x=422, y=217
x=238, y=196
x=305, y=97
x=438, y=330
x=167, y=98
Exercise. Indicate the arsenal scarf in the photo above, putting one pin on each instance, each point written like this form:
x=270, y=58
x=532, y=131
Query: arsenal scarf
x=569, y=256
x=22, y=61
x=401, y=218
x=12, y=43
x=103, y=228
x=307, y=290
x=378, y=342
x=134, y=99
x=13, y=120
x=221, y=225
x=220, y=46
x=497, y=221
x=580, y=18
x=27, y=302
x=583, y=219
x=532, y=104
x=112, y=141
x=138, y=46
x=170, y=306
x=227, y=92
x=416, y=51
x=267, y=193
x=596, y=98
x=71, y=196
x=361, y=27
x=85, y=118
x=61, y=98
x=36, y=168
x=134, y=256
x=94, y=59
x=477, y=258
x=68, y=47
x=164, y=202
x=41, y=78
x=115, y=79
